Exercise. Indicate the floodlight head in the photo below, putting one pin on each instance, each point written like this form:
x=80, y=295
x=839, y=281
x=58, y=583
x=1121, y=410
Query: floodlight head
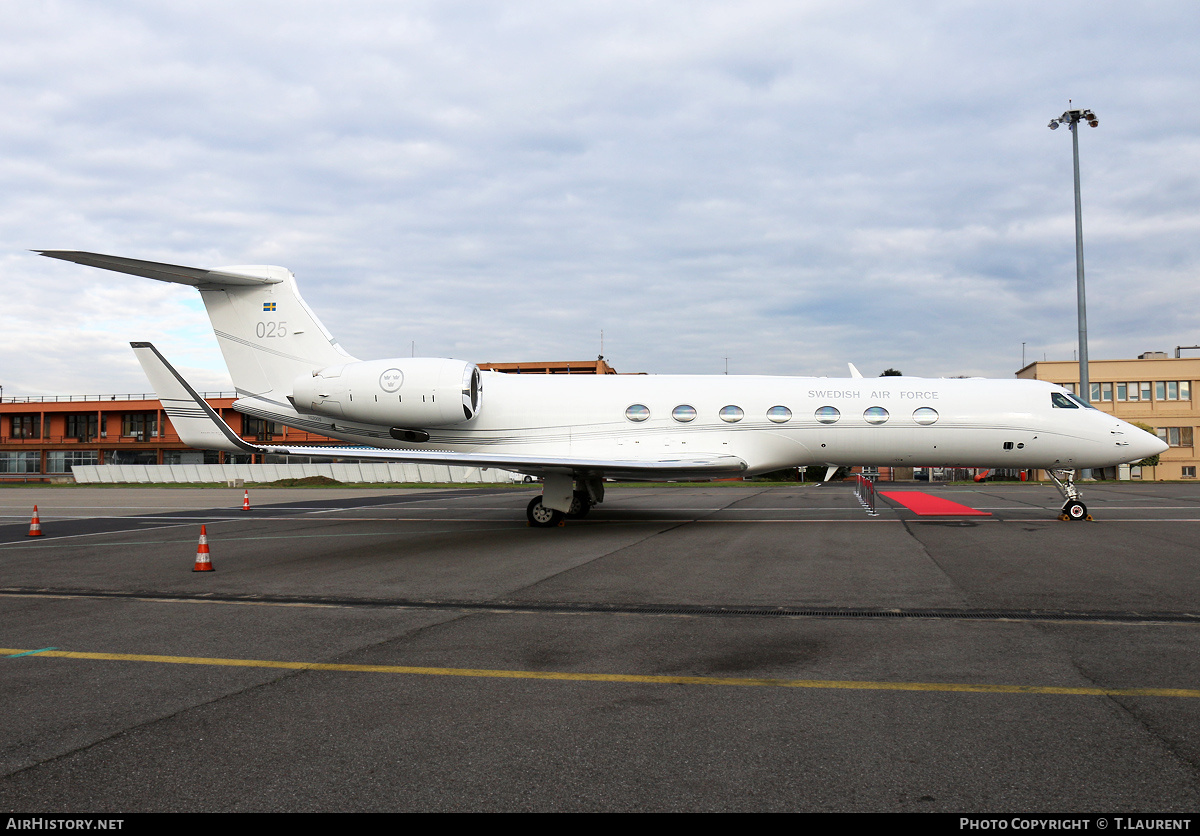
x=1094, y=122
x=1054, y=124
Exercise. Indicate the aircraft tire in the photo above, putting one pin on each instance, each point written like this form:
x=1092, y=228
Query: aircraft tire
x=581, y=503
x=540, y=516
x=1075, y=510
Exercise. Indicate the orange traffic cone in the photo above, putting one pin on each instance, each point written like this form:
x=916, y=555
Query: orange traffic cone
x=35, y=525
x=246, y=501
x=203, y=562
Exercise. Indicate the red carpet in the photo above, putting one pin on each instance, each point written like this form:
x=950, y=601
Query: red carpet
x=931, y=506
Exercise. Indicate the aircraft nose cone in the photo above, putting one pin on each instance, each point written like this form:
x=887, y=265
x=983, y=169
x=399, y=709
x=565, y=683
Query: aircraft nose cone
x=1144, y=445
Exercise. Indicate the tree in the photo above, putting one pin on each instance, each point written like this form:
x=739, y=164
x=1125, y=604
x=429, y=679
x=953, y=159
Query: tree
x=1149, y=461
x=892, y=373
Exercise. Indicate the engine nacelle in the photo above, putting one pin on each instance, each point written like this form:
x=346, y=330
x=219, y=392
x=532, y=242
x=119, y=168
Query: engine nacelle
x=412, y=392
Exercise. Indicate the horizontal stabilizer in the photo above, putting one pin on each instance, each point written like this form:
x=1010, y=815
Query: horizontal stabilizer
x=194, y=276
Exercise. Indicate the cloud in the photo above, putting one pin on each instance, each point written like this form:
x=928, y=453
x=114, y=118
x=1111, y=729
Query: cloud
x=792, y=186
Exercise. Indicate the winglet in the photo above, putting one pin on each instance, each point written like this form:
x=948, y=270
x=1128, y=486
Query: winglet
x=197, y=423
x=853, y=371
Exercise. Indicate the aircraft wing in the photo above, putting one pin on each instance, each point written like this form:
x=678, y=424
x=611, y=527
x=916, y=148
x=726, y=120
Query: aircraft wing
x=199, y=425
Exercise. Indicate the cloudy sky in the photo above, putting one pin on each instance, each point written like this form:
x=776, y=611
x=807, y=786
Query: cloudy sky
x=789, y=185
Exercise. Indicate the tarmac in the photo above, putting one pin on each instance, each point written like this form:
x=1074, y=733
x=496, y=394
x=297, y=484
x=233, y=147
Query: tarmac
x=682, y=648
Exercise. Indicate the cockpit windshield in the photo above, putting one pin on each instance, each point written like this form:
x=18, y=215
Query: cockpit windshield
x=1066, y=400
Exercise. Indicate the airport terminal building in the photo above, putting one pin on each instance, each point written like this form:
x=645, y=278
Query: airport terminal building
x=47, y=435
x=1154, y=389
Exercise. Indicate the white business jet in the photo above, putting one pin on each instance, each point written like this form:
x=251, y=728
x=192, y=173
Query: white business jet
x=574, y=431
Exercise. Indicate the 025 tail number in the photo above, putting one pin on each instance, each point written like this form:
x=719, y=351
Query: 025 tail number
x=265, y=330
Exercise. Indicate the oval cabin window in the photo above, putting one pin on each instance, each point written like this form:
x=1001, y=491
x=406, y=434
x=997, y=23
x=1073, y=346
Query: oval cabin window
x=925, y=416
x=828, y=414
x=637, y=413
x=875, y=415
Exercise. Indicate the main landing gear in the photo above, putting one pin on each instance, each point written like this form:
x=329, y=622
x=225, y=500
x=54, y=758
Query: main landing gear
x=540, y=516
x=561, y=500
x=1072, y=508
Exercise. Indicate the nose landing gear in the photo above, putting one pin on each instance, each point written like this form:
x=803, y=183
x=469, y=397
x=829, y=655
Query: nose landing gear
x=1072, y=508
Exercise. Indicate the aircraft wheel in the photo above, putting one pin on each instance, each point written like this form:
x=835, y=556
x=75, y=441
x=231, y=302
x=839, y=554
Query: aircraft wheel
x=581, y=503
x=1076, y=510
x=540, y=516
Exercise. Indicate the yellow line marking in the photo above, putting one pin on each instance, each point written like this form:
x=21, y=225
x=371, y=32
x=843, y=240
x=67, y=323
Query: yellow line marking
x=559, y=676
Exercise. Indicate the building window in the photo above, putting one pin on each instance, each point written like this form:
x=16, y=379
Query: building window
x=1175, y=436
x=263, y=430
x=26, y=426
x=1122, y=391
x=21, y=461
x=143, y=425
x=1189, y=471
x=1136, y=390
x=1101, y=392
x=61, y=461
x=183, y=457
x=131, y=457
x=1172, y=390
x=83, y=427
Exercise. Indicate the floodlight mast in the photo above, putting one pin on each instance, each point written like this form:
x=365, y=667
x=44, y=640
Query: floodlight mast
x=1071, y=118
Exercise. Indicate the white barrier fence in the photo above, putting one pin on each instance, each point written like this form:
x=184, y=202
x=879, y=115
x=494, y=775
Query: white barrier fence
x=342, y=472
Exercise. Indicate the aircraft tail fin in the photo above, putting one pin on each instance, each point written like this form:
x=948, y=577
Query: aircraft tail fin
x=267, y=334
